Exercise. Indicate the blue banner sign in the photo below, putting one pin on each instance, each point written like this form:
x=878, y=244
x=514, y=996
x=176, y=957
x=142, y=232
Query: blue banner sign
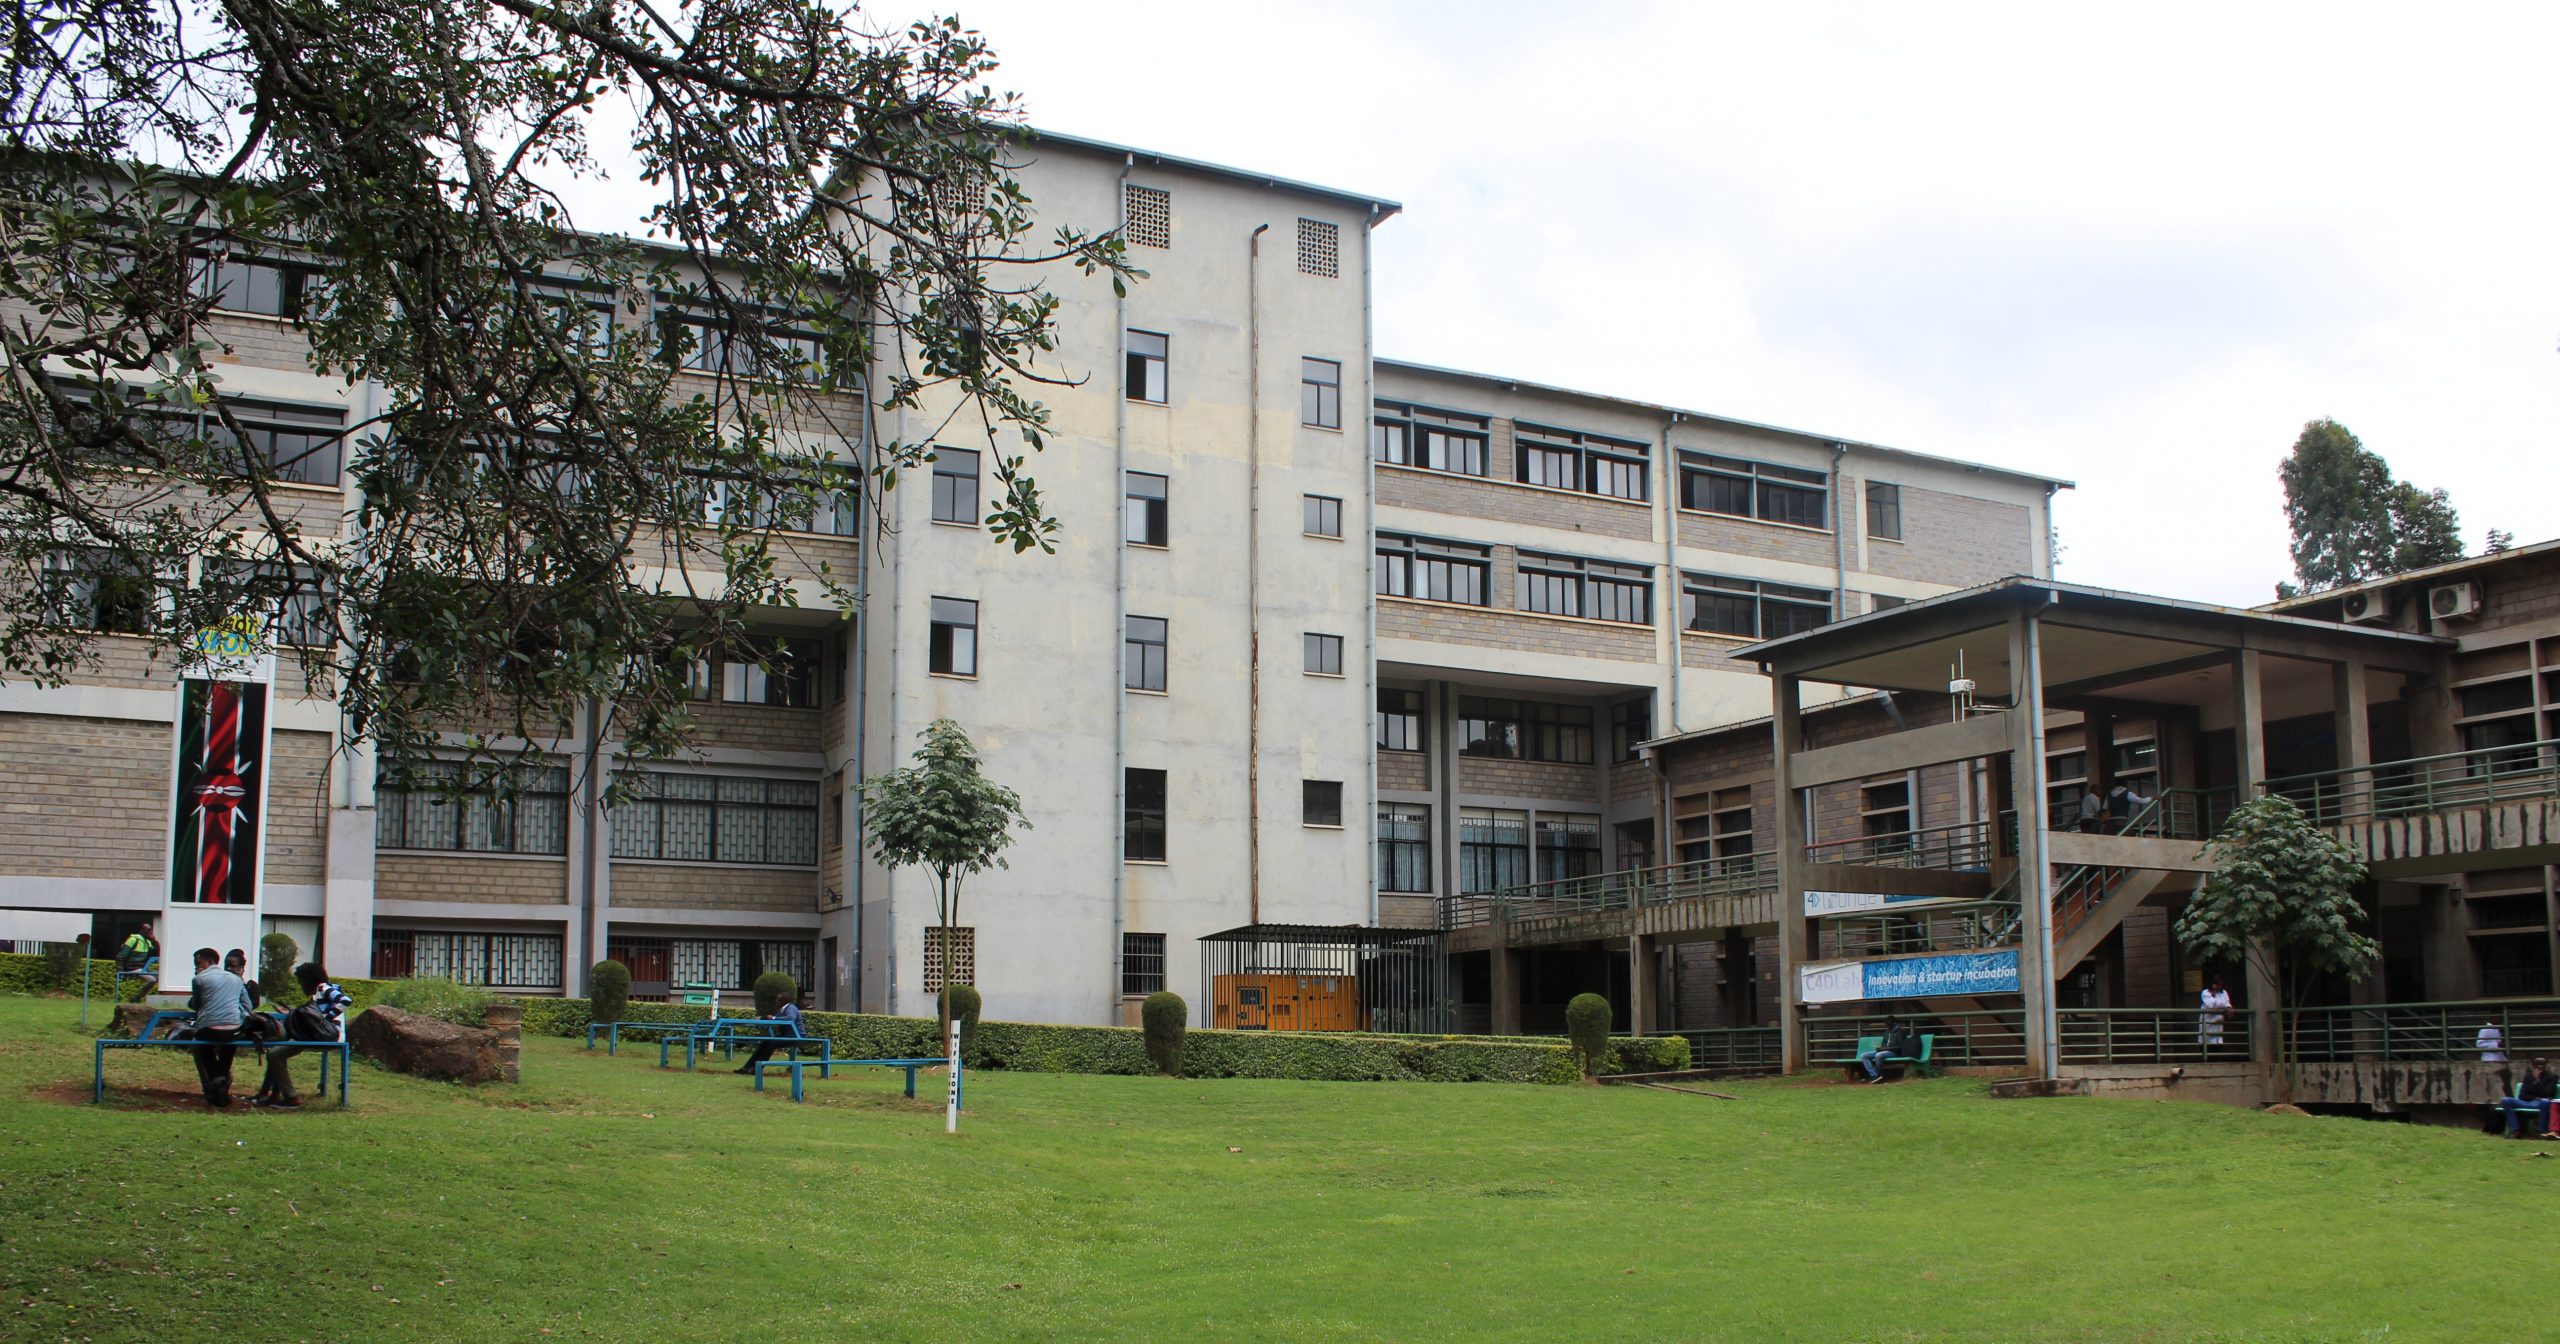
x=1820, y=903
x=1909, y=977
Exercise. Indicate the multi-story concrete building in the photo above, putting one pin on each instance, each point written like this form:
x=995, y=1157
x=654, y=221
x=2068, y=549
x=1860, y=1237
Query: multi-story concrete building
x=1272, y=675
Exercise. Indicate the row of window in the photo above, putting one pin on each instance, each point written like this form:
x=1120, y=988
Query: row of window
x=1142, y=960
x=1147, y=501
x=1495, y=849
x=1147, y=376
x=951, y=646
x=1435, y=570
x=1515, y=729
x=696, y=818
x=1143, y=811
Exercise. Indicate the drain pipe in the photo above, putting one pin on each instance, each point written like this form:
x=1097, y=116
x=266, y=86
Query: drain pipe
x=1670, y=485
x=1253, y=572
x=1839, y=532
x=1120, y=605
x=860, y=710
x=1368, y=499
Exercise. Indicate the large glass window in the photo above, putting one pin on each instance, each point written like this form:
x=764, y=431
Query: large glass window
x=1524, y=730
x=1419, y=436
x=955, y=485
x=712, y=342
x=1142, y=654
x=1564, y=459
x=1493, y=849
x=266, y=286
x=1630, y=727
x=499, y=960
x=1762, y=490
x=1564, y=585
x=1717, y=605
x=1150, y=518
x=91, y=589
x=722, y=818
x=952, y=640
x=1320, y=393
x=778, y=672
x=1399, y=720
x=1568, y=846
x=1436, y=571
x=525, y=814
x=1884, y=511
x=1149, y=353
x=1143, y=819
x=1404, y=847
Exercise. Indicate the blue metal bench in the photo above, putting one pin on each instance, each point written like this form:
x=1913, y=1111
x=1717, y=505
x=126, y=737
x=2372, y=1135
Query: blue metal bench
x=730, y=1032
x=826, y=1068
x=342, y=1049
x=613, y=1031
x=181, y=1016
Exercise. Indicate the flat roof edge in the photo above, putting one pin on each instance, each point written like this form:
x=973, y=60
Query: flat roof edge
x=1381, y=204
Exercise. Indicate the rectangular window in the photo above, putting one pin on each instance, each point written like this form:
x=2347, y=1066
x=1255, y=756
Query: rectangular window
x=955, y=486
x=1564, y=585
x=832, y=805
x=1419, y=436
x=1142, y=654
x=1564, y=459
x=1524, y=730
x=961, y=966
x=1404, y=847
x=1885, y=601
x=1568, y=846
x=1148, y=353
x=92, y=589
x=727, y=343
x=1323, y=655
x=295, y=443
x=1493, y=849
x=1762, y=490
x=1630, y=727
x=952, y=643
x=1885, y=809
x=1323, y=516
x=1150, y=512
x=265, y=286
x=497, y=960
x=1884, y=510
x=526, y=814
x=774, y=672
x=1141, y=964
x=1435, y=571
x=717, y=819
x=1320, y=802
x=1399, y=720
x=1143, y=818
x=1320, y=393
x=1319, y=248
x=1150, y=213
x=1717, y=605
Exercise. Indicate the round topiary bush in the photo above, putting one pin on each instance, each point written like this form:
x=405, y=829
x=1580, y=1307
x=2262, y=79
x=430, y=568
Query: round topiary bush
x=774, y=989
x=276, y=955
x=1165, y=1015
x=608, y=991
x=962, y=1003
x=1586, y=1025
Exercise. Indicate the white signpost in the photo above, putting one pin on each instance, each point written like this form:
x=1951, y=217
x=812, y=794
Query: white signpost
x=951, y=1110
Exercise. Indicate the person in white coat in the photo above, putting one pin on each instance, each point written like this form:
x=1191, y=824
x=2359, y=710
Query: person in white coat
x=2491, y=1043
x=2211, y=1005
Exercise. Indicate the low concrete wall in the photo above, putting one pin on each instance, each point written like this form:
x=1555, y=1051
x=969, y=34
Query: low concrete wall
x=2224, y=1084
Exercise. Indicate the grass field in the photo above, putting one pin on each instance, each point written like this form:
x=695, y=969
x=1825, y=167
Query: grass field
x=603, y=1199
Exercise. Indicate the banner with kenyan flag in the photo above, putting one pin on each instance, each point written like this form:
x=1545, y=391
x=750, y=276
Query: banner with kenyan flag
x=217, y=847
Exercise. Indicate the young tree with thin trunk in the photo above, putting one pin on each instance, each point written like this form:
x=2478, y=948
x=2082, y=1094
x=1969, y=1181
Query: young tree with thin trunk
x=941, y=813
x=2282, y=899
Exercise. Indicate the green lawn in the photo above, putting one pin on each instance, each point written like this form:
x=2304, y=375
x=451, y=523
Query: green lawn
x=606, y=1200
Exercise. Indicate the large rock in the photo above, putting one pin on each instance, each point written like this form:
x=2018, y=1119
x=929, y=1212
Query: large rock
x=429, y=1047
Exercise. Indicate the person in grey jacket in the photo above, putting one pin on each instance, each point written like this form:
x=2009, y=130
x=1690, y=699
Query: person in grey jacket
x=221, y=1004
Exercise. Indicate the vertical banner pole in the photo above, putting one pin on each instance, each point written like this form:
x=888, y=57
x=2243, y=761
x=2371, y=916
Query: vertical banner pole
x=951, y=1109
x=84, y=980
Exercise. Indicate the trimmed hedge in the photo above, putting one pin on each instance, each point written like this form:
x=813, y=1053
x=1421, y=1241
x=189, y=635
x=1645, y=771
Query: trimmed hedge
x=1322, y=1056
x=35, y=973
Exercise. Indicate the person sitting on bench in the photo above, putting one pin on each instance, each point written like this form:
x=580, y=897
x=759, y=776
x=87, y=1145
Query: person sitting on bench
x=221, y=1004
x=1898, y=1043
x=789, y=1012
x=321, y=1019
x=2533, y=1097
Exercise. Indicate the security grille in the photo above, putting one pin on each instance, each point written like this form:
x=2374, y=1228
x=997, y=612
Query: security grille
x=1141, y=964
x=1319, y=248
x=964, y=958
x=960, y=196
x=1150, y=216
x=792, y=959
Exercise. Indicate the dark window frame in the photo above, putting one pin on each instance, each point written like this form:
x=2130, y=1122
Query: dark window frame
x=1500, y=728
x=1491, y=855
x=1318, y=808
x=1146, y=509
x=737, y=815
x=945, y=648
x=1884, y=510
x=1589, y=464
x=1721, y=604
x=950, y=484
x=1144, y=652
x=1314, y=512
x=1147, y=372
x=1143, y=825
x=1427, y=438
x=1592, y=590
x=1403, y=849
x=1765, y=492
x=1319, y=395
x=1321, y=654
x=400, y=792
x=1427, y=569
x=1630, y=726
x=1400, y=728
x=1142, y=964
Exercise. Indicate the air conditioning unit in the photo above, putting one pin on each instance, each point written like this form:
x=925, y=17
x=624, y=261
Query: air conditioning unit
x=2454, y=601
x=2370, y=606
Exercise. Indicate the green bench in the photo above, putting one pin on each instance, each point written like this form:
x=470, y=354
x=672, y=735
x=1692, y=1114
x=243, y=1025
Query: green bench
x=1894, y=1065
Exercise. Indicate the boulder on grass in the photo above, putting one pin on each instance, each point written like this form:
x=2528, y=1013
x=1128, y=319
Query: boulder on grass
x=428, y=1047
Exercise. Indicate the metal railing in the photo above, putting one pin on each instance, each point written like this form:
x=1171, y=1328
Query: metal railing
x=1734, y=875
x=2425, y=783
x=1964, y=844
x=2420, y=1031
x=2150, y=1036
x=1733, y=1047
x=1987, y=1037
x=1989, y=922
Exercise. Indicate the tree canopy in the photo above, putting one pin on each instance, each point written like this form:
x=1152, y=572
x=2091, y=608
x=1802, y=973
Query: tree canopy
x=944, y=815
x=585, y=454
x=2282, y=898
x=2352, y=520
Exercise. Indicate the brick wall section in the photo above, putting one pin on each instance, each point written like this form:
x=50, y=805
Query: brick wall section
x=1698, y=971
x=1451, y=623
x=471, y=879
x=1404, y=772
x=84, y=797
x=1714, y=651
x=1629, y=781
x=1503, y=498
x=298, y=810
x=2516, y=593
x=1952, y=539
x=757, y=727
x=266, y=343
x=666, y=886
x=1480, y=776
x=1407, y=912
x=1745, y=536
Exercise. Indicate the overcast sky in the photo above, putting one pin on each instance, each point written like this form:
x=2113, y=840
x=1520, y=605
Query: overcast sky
x=2135, y=249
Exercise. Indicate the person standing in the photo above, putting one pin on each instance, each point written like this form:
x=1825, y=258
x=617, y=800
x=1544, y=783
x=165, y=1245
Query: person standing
x=2093, y=810
x=2491, y=1043
x=2211, y=1005
x=220, y=1002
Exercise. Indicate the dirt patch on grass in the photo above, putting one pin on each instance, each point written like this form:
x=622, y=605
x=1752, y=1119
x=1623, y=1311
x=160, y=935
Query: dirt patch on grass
x=133, y=1097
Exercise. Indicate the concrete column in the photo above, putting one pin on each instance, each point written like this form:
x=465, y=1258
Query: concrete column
x=1644, y=985
x=2249, y=747
x=1787, y=730
x=2035, y=870
x=346, y=893
x=1506, y=978
x=2355, y=730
